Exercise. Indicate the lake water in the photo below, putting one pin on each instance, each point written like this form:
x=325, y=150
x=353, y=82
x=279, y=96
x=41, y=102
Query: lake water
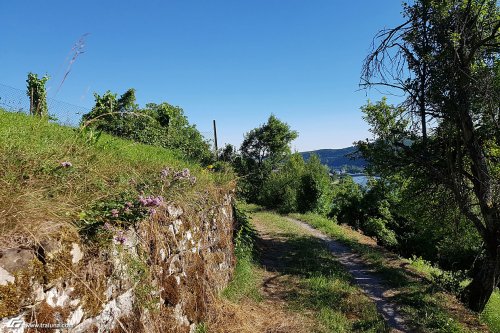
x=360, y=179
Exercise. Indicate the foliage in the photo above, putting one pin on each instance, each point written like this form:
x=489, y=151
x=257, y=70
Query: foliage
x=368, y=210
x=445, y=59
x=244, y=233
x=298, y=186
x=228, y=153
x=315, y=192
x=270, y=141
x=37, y=93
x=157, y=124
x=281, y=190
x=263, y=150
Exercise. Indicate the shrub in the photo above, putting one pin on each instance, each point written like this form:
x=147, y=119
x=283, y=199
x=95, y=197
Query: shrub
x=157, y=124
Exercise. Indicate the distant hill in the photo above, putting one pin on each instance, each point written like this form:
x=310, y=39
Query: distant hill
x=337, y=159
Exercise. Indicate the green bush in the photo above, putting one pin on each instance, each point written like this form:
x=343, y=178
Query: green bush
x=298, y=186
x=281, y=189
x=377, y=227
x=157, y=124
x=315, y=192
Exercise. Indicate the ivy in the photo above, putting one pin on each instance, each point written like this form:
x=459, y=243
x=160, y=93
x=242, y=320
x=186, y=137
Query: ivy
x=37, y=94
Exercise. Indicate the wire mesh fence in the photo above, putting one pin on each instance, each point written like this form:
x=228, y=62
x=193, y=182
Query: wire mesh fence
x=16, y=100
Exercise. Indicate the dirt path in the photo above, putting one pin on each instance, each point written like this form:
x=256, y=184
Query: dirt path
x=363, y=276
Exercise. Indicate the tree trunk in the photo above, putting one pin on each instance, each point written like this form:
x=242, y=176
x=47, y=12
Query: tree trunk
x=484, y=282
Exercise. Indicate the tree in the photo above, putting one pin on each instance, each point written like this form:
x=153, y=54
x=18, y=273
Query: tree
x=445, y=58
x=269, y=141
x=262, y=151
x=38, y=95
x=227, y=153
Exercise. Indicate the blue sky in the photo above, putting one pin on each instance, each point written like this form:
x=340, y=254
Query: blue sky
x=234, y=61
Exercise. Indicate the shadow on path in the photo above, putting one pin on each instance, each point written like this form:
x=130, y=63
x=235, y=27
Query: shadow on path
x=364, y=277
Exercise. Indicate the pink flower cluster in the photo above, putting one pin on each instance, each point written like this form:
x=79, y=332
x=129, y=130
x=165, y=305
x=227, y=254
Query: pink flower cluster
x=179, y=175
x=151, y=201
x=185, y=175
x=165, y=172
x=66, y=164
x=114, y=212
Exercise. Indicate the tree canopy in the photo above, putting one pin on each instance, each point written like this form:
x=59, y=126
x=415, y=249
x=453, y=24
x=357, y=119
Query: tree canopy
x=268, y=141
x=445, y=58
x=156, y=124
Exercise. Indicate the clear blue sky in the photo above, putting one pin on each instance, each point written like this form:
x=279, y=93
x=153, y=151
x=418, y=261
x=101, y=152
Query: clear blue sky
x=234, y=61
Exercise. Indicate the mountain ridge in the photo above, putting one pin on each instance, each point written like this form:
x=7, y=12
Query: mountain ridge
x=339, y=159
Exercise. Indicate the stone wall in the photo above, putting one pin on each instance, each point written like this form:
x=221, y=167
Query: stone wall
x=160, y=275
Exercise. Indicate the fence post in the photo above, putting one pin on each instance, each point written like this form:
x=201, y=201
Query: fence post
x=215, y=141
x=32, y=112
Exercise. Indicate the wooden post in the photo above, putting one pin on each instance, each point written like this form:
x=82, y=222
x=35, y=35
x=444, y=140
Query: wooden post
x=215, y=141
x=32, y=112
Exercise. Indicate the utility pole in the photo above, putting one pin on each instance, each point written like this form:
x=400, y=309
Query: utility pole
x=215, y=141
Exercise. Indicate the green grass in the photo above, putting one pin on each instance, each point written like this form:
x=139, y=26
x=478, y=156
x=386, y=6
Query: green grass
x=491, y=314
x=246, y=278
x=321, y=285
x=105, y=172
x=424, y=267
x=424, y=303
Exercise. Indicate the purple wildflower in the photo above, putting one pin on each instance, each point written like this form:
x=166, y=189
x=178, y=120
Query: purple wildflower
x=66, y=164
x=128, y=204
x=114, y=212
x=165, y=172
x=157, y=201
x=151, y=201
x=184, y=174
x=152, y=211
x=142, y=201
x=120, y=238
x=192, y=180
x=107, y=226
x=127, y=210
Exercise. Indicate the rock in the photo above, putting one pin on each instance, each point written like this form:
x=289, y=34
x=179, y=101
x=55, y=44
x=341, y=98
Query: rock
x=76, y=253
x=174, y=212
x=13, y=260
x=5, y=277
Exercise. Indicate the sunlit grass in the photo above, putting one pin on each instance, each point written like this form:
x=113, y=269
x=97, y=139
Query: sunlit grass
x=424, y=304
x=491, y=314
x=321, y=285
x=34, y=185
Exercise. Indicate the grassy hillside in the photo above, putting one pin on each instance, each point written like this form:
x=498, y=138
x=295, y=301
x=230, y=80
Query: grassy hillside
x=335, y=159
x=56, y=180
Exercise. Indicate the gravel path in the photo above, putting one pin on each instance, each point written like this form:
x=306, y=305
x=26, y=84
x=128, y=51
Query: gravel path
x=364, y=277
